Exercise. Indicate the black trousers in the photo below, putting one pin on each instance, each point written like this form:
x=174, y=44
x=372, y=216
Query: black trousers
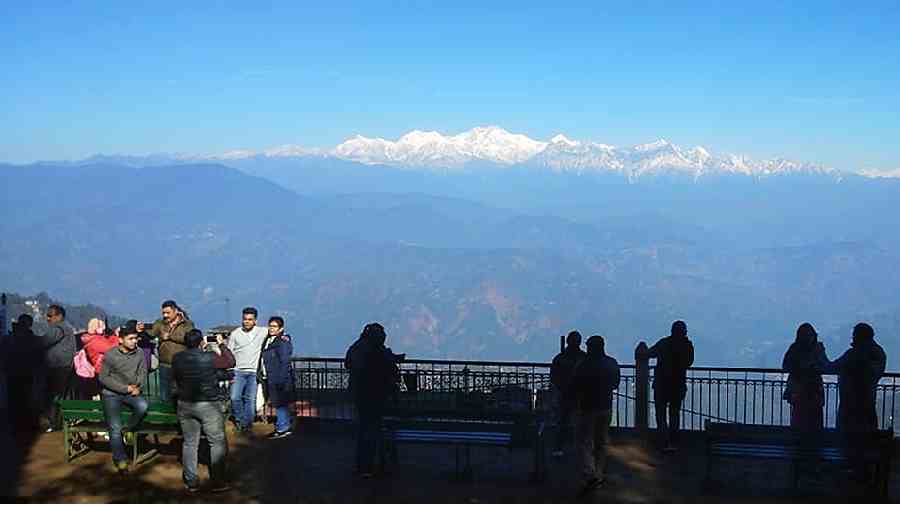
x=60, y=385
x=668, y=415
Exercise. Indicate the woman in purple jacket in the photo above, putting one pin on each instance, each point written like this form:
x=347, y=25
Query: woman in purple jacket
x=277, y=374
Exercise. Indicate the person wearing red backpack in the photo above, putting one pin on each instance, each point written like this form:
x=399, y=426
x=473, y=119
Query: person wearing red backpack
x=96, y=343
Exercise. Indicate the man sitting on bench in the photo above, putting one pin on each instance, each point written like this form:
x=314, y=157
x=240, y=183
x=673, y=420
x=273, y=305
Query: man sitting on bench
x=123, y=379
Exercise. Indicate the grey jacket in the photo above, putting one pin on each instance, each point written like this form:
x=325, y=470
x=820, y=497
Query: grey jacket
x=123, y=369
x=59, y=345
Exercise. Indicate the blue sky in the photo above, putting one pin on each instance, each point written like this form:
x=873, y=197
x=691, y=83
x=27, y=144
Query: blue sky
x=817, y=82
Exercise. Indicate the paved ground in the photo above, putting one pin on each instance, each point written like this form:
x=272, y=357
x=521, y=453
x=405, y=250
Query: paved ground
x=314, y=467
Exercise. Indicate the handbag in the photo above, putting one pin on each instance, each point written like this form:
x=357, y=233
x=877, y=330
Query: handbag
x=83, y=367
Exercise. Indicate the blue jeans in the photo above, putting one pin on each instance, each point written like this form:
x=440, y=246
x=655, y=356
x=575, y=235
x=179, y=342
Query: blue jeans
x=205, y=417
x=243, y=398
x=283, y=418
x=165, y=382
x=112, y=410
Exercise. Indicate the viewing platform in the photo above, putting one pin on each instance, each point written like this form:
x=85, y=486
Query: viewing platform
x=316, y=463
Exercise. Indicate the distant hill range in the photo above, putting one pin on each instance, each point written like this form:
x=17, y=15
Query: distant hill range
x=489, y=262
x=36, y=306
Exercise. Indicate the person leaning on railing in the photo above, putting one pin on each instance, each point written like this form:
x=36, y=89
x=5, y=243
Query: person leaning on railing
x=674, y=356
x=373, y=379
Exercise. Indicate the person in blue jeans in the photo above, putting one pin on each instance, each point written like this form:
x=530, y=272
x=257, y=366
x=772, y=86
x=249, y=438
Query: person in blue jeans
x=198, y=371
x=277, y=373
x=246, y=345
x=122, y=380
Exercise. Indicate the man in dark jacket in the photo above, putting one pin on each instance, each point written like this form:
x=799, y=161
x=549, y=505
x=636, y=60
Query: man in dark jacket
x=123, y=379
x=59, y=349
x=372, y=380
x=674, y=355
x=197, y=373
x=593, y=383
x=561, y=370
x=859, y=369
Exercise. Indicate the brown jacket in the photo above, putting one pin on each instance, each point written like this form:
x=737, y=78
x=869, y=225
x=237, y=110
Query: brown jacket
x=170, y=342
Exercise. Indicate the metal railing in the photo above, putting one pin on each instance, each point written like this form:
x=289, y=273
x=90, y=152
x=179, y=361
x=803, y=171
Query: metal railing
x=740, y=395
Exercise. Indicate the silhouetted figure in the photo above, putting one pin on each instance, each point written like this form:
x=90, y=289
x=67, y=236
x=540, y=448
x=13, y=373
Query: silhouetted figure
x=170, y=331
x=197, y=372
x=859, y=369
x=561, y=370
x=277, y=373
x=59, y=347
x=373, y=379
x=25, y=365
x=123, y=379
x=804, y=362
x=674, y=356
x=593, y=383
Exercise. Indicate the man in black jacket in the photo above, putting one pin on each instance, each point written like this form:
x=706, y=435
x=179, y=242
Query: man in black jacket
x=561, y=370
x=197, y=373
x=373, y=377
x=593, y=383
x=674, y=355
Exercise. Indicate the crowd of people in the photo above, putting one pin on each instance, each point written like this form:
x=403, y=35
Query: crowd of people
x=585, y=383
x=201, y=375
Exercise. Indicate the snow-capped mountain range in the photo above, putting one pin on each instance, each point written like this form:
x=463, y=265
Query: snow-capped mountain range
x=495, y=146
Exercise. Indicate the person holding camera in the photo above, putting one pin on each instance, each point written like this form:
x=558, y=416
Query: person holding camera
x=197, y=373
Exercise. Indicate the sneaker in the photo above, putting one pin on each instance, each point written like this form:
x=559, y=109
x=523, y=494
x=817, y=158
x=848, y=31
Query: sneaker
x=128, y=438
x=670, y=448
x=557, y=453
x=590, y=485
x=222, y=487
x=49, y=430
x=279, y=434
x=191, y=489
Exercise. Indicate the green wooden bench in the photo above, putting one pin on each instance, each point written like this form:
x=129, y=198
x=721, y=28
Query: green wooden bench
x=87, y=416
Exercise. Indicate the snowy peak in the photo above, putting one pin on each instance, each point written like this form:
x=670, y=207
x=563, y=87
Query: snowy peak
x=432, y=149
x=562, y=139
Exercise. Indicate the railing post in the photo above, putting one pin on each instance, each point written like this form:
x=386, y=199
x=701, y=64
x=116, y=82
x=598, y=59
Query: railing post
x=641, y=388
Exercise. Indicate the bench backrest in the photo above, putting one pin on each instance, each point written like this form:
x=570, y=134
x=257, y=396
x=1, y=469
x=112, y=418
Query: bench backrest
x=777, y=434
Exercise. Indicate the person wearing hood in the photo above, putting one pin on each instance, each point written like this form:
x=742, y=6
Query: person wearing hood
x=561, y=370
x=804, y=361
x=170, y=331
